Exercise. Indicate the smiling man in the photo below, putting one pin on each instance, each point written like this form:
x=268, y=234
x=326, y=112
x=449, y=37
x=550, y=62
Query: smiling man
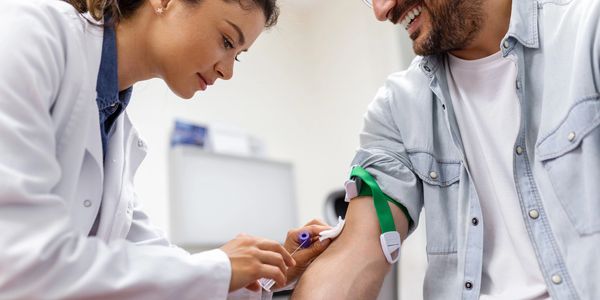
x=493, y=130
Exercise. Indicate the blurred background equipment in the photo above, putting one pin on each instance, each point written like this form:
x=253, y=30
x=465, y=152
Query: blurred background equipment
x=216, y=196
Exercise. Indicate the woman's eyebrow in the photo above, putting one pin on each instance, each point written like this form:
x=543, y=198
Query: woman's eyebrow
x=241, y=38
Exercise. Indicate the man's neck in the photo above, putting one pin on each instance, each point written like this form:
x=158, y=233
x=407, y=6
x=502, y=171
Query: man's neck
x=493, y=30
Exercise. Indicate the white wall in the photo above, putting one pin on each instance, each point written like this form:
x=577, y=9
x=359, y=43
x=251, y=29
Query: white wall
x=302, y=88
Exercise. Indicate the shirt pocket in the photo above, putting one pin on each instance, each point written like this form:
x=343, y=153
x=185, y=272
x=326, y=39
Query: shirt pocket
x=570, y=155
x=440, y=180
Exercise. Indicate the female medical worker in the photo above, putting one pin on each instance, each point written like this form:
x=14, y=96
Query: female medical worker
x=70, y=223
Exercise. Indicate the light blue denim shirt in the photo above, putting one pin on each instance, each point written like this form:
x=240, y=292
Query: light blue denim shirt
x=412, y=145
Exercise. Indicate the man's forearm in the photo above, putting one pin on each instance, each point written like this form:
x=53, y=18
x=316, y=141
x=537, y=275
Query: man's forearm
x=341, y=274
x=354, y=266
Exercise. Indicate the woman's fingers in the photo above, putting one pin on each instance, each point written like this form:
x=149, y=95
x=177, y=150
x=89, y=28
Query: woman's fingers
x=272, y=272
x=276, y=247
x=254, y=258
x=273, y=259
x=254, y=286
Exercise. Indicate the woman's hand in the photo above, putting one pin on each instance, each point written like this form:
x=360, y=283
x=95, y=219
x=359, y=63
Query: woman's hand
x=253, y=258
x=304, y=256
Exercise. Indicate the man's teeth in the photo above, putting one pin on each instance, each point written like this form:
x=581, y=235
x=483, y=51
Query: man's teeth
x=410, y=16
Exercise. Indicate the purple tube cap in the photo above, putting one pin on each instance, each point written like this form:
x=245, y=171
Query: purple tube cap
x=304, y=239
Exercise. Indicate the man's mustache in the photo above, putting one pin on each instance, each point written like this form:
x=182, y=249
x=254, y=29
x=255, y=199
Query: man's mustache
x=399, y=10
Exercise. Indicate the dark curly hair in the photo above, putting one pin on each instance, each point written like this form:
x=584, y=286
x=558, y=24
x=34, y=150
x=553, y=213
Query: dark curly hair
x=121, y=9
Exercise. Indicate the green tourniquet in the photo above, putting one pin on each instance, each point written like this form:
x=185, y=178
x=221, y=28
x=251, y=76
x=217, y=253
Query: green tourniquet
x=384, y=213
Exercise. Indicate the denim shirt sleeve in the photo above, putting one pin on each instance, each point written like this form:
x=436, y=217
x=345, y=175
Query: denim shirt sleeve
x=383, y=155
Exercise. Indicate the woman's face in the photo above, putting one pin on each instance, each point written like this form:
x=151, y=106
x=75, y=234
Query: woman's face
x=195, y=44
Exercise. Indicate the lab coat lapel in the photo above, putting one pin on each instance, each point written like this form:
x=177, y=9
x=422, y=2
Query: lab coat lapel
x=112, y=207
x=94, y=141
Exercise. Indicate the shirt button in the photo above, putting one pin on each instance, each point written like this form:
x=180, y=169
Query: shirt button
x=433, y=175
x=87, y=203
x=571, y=136
x=468, y=285
x=534, y=214
x=519, y=150
x=506, y=44
x=556, y=279
x=474, y=221
x=140, y=143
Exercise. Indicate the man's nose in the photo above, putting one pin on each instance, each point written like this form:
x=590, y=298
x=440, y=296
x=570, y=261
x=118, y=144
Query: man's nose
x=382, y=8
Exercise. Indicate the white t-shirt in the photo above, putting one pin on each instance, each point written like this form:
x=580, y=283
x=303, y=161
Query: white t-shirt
x=486, y=104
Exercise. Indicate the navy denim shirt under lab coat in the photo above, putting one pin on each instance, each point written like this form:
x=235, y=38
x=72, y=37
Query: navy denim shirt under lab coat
x=411, y=144
x=111, y=102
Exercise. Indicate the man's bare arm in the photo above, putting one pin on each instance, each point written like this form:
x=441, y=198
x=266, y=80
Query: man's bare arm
x=353, y=267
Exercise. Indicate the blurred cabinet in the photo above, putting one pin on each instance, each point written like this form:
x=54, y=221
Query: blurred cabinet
x=213, y=197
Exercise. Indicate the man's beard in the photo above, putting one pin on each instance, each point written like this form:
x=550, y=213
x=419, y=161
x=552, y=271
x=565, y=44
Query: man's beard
x=454, y=24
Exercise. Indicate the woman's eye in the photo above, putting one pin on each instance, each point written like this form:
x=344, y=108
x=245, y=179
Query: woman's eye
x=227, y=43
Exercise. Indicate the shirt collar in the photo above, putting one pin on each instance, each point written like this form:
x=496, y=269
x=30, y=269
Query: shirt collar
x=524, y=23
x=107, y=85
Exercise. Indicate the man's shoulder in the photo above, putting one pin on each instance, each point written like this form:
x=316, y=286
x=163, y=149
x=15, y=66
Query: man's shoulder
x=587, y=13
x=577, y=13
x=570, y=29
x=410, y=84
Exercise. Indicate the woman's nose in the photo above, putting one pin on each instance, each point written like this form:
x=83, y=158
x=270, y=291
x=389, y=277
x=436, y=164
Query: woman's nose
x=224, y=70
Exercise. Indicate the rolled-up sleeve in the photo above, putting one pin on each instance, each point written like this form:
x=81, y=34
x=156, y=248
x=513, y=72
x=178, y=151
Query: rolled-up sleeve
x=383, y=155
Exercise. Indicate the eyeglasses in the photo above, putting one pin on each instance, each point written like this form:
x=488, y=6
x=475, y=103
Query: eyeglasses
x=369, y=3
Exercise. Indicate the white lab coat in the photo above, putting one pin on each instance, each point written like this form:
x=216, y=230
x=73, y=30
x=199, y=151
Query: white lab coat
x=53, y=182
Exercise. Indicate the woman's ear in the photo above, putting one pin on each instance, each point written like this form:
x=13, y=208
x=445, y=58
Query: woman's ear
x=156, y=4
x=160, y=6
x=165, y=3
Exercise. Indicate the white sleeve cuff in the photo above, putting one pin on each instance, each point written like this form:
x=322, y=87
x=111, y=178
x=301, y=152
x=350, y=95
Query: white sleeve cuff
x=214, y=264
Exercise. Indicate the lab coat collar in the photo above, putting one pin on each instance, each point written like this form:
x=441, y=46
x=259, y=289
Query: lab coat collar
x=107, y=85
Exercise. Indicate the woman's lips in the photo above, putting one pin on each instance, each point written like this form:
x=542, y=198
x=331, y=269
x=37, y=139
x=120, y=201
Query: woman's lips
x=202, y=81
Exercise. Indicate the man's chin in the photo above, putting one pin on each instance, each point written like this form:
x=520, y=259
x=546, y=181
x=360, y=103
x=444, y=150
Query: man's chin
x=424, y=46
x=420, y=47
x=421, y=43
